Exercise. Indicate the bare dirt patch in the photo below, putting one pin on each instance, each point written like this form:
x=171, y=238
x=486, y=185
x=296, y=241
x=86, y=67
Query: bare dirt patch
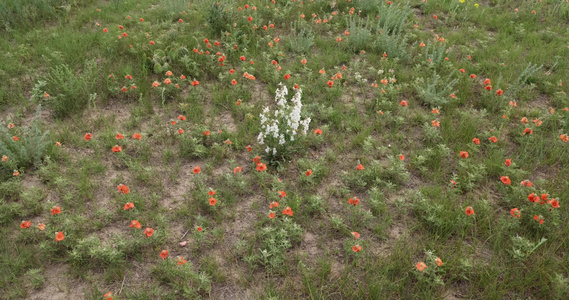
x=58, y=285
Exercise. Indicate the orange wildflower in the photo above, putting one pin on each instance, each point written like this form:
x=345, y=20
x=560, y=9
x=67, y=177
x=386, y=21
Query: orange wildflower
x=438, y=261
x=59, y=236
x=287, y=211
x=25, y=224
x=135, y=224
x=55, y=210
x=197, y=170
x=421, y=266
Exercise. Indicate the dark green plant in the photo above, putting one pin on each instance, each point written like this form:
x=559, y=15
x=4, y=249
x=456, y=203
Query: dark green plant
x=218, y=19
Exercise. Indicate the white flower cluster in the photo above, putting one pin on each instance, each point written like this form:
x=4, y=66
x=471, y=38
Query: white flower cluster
x=359, y=78
x=282, y=126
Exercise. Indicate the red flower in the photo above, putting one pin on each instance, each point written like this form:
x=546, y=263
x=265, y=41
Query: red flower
x=508, y=162
x=526, y=183
x=55, y=210
x=135, y=224
x=472, y=75
x=308, y=173
x=435, y=17
x=493, y=139
x=403, y=103
x=257, y=159
x=249, y=148
x=119, y=136
x=197, y=170
x=281, y=194
x=515, y=212
x=469, y=211
x=555, y=203
x=506, y=180
x=148, y=232
x=25, y=224
x=476, y=141
x=357, y=248
x=499, y=92
x=317, y=131
x=360, y=167
x=117, y=148
x=356, y=235
x=233, y=82
x=123, y=189
x=237, y=170
x=137, y=136
x=261, y=167
x=272, y=215
x=463, y=154
x=212, y=201
x=330, y=83
x=164, y=254
x=354, y=201
x=128, y=206
x=287, y=76
x=287, y=211
x=487, y=81
x=88, y=136
x=59, y=236
x=181, y=260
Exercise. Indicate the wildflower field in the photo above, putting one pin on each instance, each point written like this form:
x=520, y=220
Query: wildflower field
x=284, y=149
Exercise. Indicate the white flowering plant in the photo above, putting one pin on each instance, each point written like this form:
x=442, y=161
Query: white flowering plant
x=280, y=127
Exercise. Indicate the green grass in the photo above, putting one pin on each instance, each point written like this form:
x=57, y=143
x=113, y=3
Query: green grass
x=414, y=188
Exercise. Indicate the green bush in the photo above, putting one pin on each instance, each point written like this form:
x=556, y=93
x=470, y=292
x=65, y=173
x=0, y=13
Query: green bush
x=28, y=150
x=68, y=91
